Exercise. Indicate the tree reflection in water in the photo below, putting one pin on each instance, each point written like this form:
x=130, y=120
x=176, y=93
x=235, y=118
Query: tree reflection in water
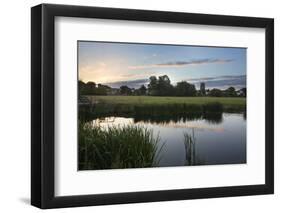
x=212, y=113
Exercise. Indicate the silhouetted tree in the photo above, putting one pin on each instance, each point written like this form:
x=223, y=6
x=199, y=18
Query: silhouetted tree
x=142, y=90
x=102, y=89
x=81, y=87
x=164, y=86
x=216, y=93
x=125, y=90
x=185, y=89
x=230, y=92
x=160, y=86
x=90, y=88
x=87, y=89
x=243, y=92
x=153, y=86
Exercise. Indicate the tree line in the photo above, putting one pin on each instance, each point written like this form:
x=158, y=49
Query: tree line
x=160, y=86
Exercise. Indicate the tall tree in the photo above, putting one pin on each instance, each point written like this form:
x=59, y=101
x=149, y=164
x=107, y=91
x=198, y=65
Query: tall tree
x=125, y=90
x=142, y=90
x=216, y=93
x=81, y=87
x=230, y=92
x=153, y=86
x=243, y=92
x=164, y=86
x=90, y=88
x=185, y=89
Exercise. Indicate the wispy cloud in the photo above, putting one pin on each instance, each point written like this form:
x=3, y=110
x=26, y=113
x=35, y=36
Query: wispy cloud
x=222, y=82
x=182, y=63
x=145, y=74
x=216, y=78
x=130, y=83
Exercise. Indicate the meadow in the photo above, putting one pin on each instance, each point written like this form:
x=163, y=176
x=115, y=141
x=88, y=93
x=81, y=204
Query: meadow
x=159, y=100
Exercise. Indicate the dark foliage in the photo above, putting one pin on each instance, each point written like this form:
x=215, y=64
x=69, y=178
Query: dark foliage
x=160, y=86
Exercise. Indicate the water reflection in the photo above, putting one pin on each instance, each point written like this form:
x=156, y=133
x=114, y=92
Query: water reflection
x=212, y=113
x=213, y=118
x=210, y=117
x=200, y=140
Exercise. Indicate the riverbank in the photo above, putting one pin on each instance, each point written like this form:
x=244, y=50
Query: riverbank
x=151, y=106
x=227, y=102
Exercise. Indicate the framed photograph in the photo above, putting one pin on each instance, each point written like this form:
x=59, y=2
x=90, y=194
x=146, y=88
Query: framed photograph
x=139, y=106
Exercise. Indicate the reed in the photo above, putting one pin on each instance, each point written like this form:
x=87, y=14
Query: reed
x=127, y=146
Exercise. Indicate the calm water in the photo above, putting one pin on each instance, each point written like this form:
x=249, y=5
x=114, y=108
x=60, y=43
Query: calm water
x=222, y=141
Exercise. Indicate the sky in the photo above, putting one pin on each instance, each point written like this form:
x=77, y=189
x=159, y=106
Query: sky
x=131, y=64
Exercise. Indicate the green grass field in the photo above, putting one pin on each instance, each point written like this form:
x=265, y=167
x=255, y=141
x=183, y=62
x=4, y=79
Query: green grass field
x=156, y=100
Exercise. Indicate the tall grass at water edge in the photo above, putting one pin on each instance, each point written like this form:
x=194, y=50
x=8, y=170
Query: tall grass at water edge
x=126, y=146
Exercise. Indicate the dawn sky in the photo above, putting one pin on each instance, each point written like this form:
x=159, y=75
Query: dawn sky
x=117, y=64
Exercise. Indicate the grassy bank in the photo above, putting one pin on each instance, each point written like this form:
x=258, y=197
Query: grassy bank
x=157, y=100
x=122, y=147
x=148, y=107
x=228, y=104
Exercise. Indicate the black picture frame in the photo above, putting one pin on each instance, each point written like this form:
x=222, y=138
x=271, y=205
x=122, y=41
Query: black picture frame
x=43, y=117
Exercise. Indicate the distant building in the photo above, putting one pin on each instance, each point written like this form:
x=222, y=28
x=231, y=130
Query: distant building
x=202, y=88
